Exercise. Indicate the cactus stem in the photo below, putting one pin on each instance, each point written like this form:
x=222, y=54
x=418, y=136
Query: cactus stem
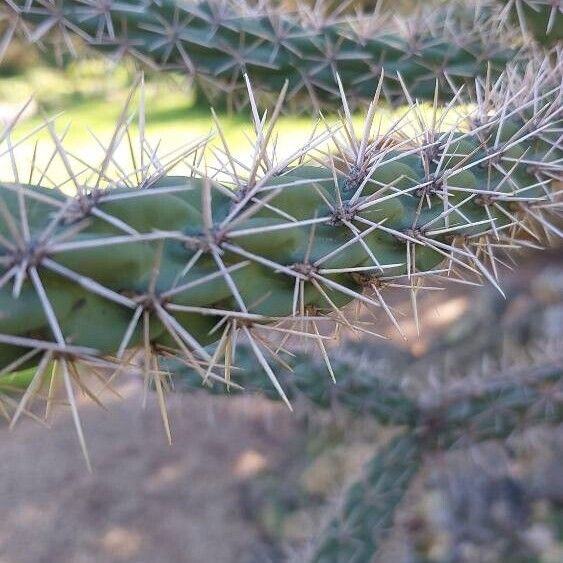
x=177, y=263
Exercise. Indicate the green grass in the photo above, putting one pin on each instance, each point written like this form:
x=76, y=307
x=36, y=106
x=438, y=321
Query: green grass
x=90, y=99
x=91, y=96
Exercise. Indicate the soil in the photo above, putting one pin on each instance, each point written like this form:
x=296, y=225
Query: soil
x=145, y=501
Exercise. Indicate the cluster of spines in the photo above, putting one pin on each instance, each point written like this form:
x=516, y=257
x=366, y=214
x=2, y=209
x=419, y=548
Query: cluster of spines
x=217, y=43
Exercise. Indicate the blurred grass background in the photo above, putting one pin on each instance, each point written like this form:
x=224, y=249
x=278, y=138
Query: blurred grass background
x=89, y=95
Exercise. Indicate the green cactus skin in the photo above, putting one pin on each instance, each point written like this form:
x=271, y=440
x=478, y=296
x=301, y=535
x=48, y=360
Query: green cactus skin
x=543, y=19
x=217, y=43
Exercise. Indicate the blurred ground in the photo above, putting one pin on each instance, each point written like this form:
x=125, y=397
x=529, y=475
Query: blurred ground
x=145, y=501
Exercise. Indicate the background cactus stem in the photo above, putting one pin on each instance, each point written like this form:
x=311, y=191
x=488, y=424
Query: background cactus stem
x=217, y=43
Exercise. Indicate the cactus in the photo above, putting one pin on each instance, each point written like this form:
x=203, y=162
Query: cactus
x=169, y=264
x=158, y=273
x=216, y=43
x=492, y=410
x=543, y=19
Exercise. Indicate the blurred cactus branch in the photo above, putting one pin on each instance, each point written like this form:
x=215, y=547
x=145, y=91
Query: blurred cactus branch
x=367, y=510
x=216, y=43
x=492, y=409
x=456, y=415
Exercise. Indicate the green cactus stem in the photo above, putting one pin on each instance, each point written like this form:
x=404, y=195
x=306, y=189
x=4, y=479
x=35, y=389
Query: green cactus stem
x=217, y=43
x=112, y=269
x=169, y=264
x=542, y=19
x=369, y=505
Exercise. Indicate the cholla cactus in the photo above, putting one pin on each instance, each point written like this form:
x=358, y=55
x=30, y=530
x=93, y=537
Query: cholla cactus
x=167, y=264
x=216, y=43
x=543, y=19
x=478, y=413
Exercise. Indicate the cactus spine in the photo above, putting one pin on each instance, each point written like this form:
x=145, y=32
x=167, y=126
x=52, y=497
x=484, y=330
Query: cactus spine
x=543, y=19
x=216, y=43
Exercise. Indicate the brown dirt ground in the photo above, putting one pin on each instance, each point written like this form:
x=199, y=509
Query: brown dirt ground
x=145, y=502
